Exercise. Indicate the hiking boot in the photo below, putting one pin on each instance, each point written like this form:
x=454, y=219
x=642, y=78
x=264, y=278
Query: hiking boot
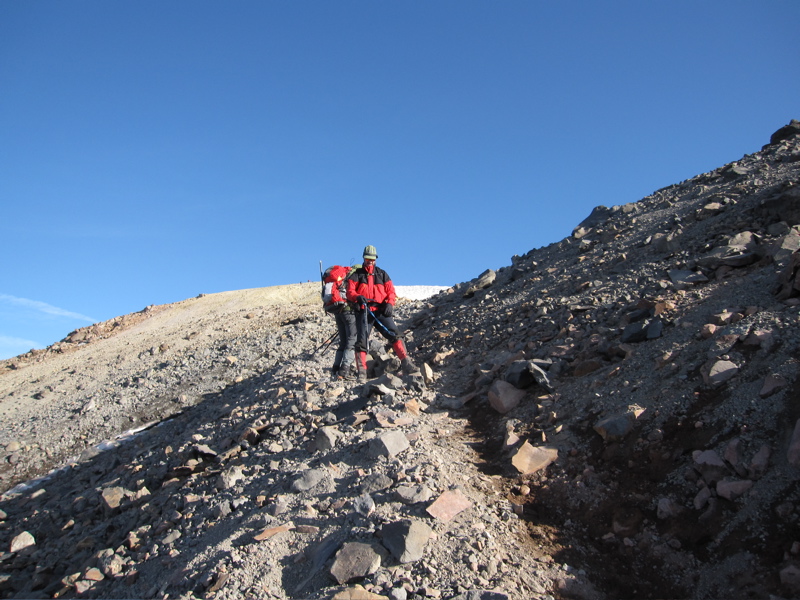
x=334, y=374
x=346, y=373
x=408, y=366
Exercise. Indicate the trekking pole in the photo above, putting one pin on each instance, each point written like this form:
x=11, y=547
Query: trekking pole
x=330, y=343
x=327, y=343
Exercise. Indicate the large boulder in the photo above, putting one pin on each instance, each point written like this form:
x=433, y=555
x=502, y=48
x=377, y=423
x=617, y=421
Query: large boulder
x=598, y=216
x=783, y=206
x=785, y=132
x=484, y=280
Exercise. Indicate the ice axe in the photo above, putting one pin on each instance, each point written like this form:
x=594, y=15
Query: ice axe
x=375, y=320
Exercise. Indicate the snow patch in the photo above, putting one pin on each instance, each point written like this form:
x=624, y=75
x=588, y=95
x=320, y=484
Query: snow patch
x=418, y=292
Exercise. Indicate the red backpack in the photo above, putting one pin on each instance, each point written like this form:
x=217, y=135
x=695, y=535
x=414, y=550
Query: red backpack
x=334, y=289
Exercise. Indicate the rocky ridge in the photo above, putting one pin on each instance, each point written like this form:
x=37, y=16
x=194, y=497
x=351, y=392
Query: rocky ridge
x=609, y=416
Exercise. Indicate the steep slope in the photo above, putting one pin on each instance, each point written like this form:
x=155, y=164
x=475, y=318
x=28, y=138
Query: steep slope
x=670, y=328
x=609, y=416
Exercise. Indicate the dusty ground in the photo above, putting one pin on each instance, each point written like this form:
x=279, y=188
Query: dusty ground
x=247, y=369
x=55, y=388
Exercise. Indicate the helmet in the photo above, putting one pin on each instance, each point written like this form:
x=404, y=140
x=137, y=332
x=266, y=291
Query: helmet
x=370, y=253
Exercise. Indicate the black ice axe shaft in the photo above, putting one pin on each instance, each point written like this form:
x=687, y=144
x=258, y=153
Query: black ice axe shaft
x=375, y=320
x=322, y=279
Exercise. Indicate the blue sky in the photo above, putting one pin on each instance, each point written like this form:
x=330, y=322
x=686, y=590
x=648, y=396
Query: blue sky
x=152, y=151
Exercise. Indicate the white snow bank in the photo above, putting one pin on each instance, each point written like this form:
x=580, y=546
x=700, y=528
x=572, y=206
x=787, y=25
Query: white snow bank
x=418, y=292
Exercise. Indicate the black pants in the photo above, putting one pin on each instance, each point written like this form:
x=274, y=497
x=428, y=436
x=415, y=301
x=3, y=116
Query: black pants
x=345, y=353
x=364, y=325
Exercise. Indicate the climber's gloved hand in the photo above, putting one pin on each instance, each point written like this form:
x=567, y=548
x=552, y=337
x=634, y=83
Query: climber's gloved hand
x=387, y=310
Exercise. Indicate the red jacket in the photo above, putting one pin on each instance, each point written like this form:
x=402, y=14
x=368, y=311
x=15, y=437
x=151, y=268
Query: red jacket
x=373, y=283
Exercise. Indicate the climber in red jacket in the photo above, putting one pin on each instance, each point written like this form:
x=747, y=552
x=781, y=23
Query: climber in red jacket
x=371, y=291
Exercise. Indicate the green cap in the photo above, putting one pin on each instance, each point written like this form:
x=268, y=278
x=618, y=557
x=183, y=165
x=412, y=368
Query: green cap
x=370, y=252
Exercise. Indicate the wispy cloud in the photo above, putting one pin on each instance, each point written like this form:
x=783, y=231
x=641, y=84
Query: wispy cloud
x=14, y=346
x=44, y=307
x=6, y=339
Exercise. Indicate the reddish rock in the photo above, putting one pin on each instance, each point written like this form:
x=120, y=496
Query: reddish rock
x=726, y=318
x=708, y=331
x=530, y=459
x=721, y=318
x=357, y=592
x=84, y=585
x=113, y=497
x=448, y=505
x=441, y=357
x=760, y=338
x=270, y=531
x=94, y=574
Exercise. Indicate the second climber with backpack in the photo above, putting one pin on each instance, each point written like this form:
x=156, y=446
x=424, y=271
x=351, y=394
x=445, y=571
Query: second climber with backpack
x=371, y=291
x=334, y=290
